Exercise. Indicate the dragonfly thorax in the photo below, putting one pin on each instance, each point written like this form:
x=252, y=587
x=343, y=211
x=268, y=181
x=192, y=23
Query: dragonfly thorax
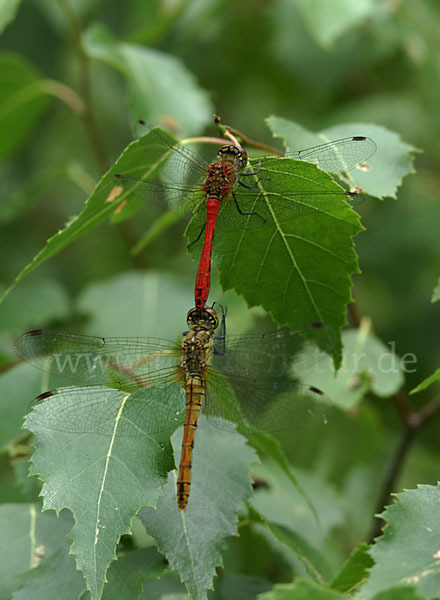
x=220, y=180
x=222, y=175
x=197, y=347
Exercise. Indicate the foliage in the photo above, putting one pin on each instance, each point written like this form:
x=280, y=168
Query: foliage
x=74, y=79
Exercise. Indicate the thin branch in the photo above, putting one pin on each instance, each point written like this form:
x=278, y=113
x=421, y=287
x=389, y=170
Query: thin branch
x=65, y=94
x=389, y=481
x=253, y=143
x=354, y=314
x=203, y=140
x=413, y=423
x=85, y=88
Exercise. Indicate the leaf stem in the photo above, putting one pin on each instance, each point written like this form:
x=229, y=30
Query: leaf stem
x=203, y=140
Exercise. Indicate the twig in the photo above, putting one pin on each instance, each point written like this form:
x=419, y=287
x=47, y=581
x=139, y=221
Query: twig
x=354, y=314
x=66, y=94
x=203, y=140
x=413, y=423
x=85, y=89
x=88, y=117
x=253, y=143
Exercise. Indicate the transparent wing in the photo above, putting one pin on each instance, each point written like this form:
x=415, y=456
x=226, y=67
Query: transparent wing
x=176, y=174
x=253, y=385
x=126, y=363
x=106, y=411
x=338, y=156
x=269, y=208
x=181, y=199
x=279, y=191
x=171, y=173
x=182, y=165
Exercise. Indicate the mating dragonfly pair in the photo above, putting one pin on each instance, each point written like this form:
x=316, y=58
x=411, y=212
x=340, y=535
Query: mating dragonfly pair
x=243, y=382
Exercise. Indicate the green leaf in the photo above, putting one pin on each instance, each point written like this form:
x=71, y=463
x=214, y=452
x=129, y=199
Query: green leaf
x=144, y=304
x=385, y=170
x=88, y=466
x=136, y=303
x=327, y=21
x=354, y=570
x=399, y=593
x=34, y=304
x=270, y=448
x=8, y=10
x=27, y=538
x=427, y=382
x=126, y=575
x=286, y=508
x=367, y=364
x=436, y=293
x=313, y=561
x=106, y=199
x=56, y=577
x=22, y=101
x=192, y=541
x=302, y=590
x=408, y=551
x=234, y=585
x=153, y=78
x=298, y=269
x=282, y=503
x=167, y=587
x=17, y=386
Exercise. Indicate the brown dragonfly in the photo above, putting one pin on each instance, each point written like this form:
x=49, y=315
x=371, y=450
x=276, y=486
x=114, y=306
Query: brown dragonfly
x=242, y=382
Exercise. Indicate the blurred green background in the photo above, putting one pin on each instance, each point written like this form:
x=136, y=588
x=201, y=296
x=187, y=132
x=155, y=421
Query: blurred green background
x=318, y=63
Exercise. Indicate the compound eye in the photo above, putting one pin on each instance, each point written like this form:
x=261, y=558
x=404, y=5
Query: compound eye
x=213, y=317
x=205, y=317
x=223, y=152
x=233, y=154
x=243, y=158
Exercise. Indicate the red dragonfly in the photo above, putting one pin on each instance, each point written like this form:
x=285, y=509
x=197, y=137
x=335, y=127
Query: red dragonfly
x=179, y=175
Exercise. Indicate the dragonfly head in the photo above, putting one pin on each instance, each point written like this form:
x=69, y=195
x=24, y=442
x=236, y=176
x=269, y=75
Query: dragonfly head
x=202, y=318
x=233, y=154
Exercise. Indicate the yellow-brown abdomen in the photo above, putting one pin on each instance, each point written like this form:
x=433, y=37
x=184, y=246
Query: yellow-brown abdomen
x=195, y=395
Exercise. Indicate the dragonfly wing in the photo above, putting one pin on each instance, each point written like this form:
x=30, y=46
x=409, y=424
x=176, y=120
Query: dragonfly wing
x=125, y=363
x=181, y=199
x=338, y=156
x=168, y=174
x=106, y=411
x=252, y=385
x=263, y=404
x=282, y=191
x=179, y=163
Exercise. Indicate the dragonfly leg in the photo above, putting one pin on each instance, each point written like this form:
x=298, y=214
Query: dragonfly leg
x=198, y=237
x=251, y=213
x=248, y=187
x=252, y=172
x=220, y=338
